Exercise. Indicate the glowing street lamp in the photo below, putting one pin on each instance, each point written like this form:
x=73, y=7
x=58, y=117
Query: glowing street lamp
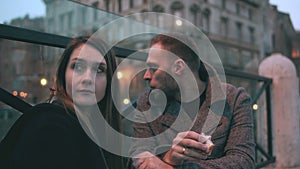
x=44, y=81
x=178, y=22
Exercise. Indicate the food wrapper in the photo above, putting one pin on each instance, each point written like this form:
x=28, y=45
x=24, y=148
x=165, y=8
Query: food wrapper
x=206, y=139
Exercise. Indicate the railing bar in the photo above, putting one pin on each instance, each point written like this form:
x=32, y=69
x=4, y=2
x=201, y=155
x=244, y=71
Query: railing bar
x=260, y=91
x=269, y=120
x=13, y=101
x=31, y=36
x=131, y=54
x=264, y=163
x=263, y=151
x=245, y=75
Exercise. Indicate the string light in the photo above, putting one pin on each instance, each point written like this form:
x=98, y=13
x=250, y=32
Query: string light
x=255, y=107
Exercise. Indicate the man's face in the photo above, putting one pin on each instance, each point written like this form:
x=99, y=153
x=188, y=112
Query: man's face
x=159, y=72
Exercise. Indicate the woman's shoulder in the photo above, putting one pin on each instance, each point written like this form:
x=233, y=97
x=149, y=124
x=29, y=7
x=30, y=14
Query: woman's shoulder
x=46, y=123
x=45, y=107
x=47, y=114
x=50, y=109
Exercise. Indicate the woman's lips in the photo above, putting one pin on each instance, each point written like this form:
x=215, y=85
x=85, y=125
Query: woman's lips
x=86, y=91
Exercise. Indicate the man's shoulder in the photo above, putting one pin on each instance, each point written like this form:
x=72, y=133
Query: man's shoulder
x=233, y=90
x=235, y=94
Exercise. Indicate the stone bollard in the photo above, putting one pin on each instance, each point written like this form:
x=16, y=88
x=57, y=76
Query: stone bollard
x=285, y=109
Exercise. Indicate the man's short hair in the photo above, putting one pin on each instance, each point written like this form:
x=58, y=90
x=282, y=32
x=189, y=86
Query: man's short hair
x=179, y=45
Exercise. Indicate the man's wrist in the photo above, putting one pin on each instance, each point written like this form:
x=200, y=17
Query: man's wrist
x=168, y=161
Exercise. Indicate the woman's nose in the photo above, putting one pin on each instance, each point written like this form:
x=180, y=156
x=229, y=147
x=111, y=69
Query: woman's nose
x=88, y=77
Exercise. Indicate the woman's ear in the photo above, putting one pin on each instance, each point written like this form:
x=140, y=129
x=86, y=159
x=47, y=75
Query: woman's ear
x=179, y=66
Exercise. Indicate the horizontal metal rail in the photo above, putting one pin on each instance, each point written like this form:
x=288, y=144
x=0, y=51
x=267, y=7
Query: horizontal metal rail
x=31, y=36
x=13, y=101
x=41, y=38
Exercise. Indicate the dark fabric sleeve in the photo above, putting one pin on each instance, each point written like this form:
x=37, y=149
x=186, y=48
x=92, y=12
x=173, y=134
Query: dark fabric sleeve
x=143, y=137
x=188, y=165
x=141, y=130
x=239, y=152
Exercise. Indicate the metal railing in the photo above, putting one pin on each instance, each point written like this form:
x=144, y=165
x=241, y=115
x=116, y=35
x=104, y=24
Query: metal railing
x=265, y=87
x=35, y=37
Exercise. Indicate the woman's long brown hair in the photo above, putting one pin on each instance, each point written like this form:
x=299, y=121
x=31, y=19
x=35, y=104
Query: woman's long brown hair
x=106, y=105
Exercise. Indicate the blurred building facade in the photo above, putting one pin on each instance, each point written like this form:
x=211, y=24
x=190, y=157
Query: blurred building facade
x=242, y=31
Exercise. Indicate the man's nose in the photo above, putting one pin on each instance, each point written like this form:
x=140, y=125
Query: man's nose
x=147, y=75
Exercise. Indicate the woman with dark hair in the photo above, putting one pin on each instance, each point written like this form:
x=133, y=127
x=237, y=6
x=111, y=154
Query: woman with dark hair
x=54, y=135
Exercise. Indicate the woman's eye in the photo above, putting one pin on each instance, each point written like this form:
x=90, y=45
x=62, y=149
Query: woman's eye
x=78, y=67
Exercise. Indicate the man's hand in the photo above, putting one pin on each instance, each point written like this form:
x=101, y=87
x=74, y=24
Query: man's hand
x=187, y=146
x=146, y=160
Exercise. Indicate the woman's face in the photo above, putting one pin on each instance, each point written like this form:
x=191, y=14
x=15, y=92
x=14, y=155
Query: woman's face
x=86, y=76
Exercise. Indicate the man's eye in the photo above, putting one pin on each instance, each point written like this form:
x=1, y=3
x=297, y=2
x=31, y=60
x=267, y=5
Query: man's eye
x=100, y=69
x=152, y=69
